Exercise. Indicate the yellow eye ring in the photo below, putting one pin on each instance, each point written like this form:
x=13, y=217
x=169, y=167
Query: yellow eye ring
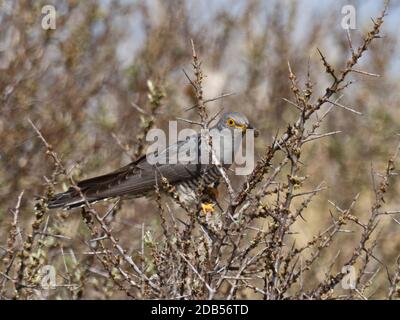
x=230, y=122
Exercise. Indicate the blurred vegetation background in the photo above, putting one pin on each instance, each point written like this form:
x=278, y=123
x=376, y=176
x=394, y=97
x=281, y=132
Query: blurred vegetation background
x=86, y=84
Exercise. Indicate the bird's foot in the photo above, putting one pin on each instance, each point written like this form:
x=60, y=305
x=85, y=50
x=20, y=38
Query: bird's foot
x=207, y=207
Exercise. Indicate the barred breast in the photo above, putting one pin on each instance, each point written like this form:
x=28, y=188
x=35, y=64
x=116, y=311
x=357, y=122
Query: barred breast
x=187, y=190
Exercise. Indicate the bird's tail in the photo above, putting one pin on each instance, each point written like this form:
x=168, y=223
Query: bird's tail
x=94, y=189
x=115, y=184
x=68, y=200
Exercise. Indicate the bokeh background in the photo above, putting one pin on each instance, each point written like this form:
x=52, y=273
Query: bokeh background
x=85, y=85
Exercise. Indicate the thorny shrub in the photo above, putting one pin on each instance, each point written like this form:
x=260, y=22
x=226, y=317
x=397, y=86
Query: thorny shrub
x=250, y=247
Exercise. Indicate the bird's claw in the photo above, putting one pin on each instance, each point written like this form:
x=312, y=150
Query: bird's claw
x=207, y=207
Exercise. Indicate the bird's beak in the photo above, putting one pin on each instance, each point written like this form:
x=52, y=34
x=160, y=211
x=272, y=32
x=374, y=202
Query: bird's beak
x=256, y=132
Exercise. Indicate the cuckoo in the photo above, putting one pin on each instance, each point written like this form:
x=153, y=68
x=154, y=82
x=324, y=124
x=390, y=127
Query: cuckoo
x=142, y=177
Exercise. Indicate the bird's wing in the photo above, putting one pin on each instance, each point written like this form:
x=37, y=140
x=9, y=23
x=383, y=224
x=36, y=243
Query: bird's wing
x=142, y=174
x=130, y=168
x=136, y=178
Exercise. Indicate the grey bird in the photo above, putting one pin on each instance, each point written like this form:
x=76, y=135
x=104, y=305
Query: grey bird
x=141, y=177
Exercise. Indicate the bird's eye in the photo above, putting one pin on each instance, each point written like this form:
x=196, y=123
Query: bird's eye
x=230, y=122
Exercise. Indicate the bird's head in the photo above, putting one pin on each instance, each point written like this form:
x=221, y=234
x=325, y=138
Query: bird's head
x=235, y=120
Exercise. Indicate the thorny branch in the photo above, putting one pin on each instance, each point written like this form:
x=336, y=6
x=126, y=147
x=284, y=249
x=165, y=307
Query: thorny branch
x=248, y=245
